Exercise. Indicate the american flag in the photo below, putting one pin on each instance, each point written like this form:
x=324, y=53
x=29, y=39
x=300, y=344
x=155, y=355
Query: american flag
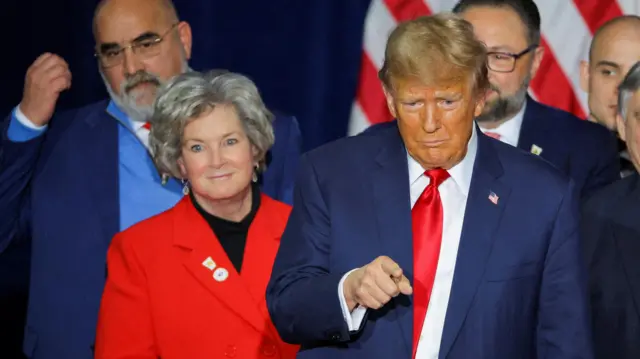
x=567, y=29
x=493, y=198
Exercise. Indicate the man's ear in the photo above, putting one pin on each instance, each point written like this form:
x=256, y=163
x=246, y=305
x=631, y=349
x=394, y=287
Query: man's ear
x=480, y=102
x=390, y=103
x=621, y=127
x=584, y=76
x=538, y=55
x=184, y=31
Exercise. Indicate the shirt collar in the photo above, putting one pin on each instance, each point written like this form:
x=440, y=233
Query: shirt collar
x=460, y=173
x=116, y=112
x=509, y=130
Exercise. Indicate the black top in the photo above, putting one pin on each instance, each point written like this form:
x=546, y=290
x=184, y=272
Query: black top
x=232, y=235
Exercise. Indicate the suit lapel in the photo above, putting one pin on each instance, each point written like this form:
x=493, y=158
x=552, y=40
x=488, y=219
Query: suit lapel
x=482, y=217
x=534, y=132
x=392, y=206
x=261, y=248
x=98, y=154
x=191, y=232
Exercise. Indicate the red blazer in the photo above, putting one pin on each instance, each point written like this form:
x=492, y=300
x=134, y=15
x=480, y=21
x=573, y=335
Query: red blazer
x=161, y=301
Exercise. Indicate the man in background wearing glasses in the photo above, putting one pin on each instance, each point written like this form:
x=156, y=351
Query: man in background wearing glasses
x=72, y=180
x=511, y=31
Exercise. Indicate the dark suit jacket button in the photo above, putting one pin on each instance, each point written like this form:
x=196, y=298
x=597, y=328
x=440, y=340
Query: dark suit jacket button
x=230, y=352
x=336, y=337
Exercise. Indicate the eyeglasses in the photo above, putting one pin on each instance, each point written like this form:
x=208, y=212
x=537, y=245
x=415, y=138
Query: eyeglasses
x=506, y=61
x=145, y=46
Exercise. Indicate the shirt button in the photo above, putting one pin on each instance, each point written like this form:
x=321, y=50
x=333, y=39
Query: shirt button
x=230, y=352
x=269, y=350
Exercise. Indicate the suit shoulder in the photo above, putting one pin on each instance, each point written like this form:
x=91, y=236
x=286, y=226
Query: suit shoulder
x=349, y=149
x=600, y=202
x=83, y=111
x=532, y=170
x=283, y=120
x=573, y=124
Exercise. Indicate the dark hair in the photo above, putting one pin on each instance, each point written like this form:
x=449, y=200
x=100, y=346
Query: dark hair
x=527, y=10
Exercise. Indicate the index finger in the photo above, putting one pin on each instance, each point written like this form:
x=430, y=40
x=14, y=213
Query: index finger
x=391, y=268
x=42, y=58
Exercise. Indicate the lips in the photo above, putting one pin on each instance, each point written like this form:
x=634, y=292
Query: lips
x=219, y=176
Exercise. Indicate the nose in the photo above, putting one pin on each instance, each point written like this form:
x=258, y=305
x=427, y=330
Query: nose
x=430, y=118
x=131, y=62
x=217, y=159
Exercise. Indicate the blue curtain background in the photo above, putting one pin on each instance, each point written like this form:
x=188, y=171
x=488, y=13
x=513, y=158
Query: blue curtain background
x=304, y=56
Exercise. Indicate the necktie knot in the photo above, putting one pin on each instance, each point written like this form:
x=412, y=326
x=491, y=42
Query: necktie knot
x=436, y=176
x=147, y=125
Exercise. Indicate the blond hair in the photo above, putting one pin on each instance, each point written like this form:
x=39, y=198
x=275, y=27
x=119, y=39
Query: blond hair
x=437, y=49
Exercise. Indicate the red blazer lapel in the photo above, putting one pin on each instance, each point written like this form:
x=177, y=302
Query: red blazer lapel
x=262, y=246
x=192, y=232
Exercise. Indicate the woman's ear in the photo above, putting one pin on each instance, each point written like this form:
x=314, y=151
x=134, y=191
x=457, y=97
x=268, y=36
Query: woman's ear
x=182, y=168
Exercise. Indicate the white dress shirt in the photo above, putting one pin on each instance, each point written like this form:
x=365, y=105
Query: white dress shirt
x=453, y=193
x=509, y=130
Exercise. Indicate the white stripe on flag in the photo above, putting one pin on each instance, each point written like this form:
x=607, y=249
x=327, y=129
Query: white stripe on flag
x=567, y=38
x=358, y=121
x=377, y=27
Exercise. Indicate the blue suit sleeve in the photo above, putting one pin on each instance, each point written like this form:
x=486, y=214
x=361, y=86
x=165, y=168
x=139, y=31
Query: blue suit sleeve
x=19, y=149
x=563, y=315
x=18, y=132
x=302, y=295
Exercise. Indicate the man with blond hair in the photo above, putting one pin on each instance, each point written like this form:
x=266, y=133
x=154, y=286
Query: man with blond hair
x=429, y=239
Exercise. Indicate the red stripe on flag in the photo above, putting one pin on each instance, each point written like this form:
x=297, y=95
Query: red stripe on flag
x=552, y=86
x=403, y=10
x=597, y=12
x=370, y=95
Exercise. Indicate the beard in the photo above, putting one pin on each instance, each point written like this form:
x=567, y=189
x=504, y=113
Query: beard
x=130, y=100
x=504, y=107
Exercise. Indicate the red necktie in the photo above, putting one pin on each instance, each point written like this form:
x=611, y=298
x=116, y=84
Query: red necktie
x=426, y=218
x=147, y=125
x=493, y=134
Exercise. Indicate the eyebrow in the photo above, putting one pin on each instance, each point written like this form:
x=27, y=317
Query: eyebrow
x=607, y=63
x=149, y=35
x=201, y=140
x=500, y=48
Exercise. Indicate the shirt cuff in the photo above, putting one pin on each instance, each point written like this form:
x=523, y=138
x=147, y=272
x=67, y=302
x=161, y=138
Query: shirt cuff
x=21, y=129
x=353, y=319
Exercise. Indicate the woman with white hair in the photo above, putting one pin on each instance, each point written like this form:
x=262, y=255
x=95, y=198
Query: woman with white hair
x=190, y=282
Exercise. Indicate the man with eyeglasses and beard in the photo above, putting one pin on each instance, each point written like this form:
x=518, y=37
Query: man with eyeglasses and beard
x=511, y=31
x=72, y=180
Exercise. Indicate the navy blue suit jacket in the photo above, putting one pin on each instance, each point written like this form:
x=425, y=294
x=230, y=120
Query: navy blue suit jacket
x=611, y=237
x=61, y=189
x=585, y=151
x=519, y=289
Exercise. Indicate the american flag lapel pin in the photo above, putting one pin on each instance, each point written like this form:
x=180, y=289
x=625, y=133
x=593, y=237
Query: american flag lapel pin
x=493, y=197
x=536, y=150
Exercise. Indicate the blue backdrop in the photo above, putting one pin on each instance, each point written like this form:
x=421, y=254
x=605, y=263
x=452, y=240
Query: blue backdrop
x=304, y=56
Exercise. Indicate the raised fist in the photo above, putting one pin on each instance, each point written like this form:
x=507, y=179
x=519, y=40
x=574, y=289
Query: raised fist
x=46, y=78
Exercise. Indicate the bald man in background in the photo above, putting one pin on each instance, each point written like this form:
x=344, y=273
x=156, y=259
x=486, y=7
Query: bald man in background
x=72, y=180
x=614, y=50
